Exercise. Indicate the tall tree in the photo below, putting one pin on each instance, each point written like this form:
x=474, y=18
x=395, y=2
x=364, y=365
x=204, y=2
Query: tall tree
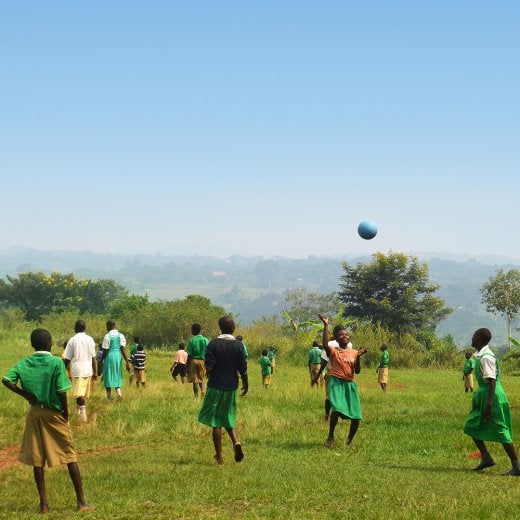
x=393, y=290
x=501, y=295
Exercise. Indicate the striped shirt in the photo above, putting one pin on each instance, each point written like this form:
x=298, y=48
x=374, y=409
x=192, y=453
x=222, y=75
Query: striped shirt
x=138, y=359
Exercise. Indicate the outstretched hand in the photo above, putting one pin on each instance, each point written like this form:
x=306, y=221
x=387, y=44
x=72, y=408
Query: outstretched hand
x=362, y=351
x=324, y=319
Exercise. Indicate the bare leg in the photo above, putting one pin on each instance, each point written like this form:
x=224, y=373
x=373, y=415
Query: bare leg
x=196, y=389
x=354, y=425
x=327, y=409
x=237, y=447
x=109, y=394
x=202, y=393
x=39, y=478
x=217, y=443
x=75, y=476
x=487, y=461
x=334, y=416
x=513, y=457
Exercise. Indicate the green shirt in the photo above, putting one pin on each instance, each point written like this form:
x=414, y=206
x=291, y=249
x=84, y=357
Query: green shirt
x=133, y=349
x=196, y=348
x=271, y=354
x=469, y=365
x=265, y=363
x=315, y=356
x=384, y=360
x=42, y=375
x=245, y=349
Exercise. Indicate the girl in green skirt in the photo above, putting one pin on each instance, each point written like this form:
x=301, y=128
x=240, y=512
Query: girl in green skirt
x=343, y=392
x=490, y=416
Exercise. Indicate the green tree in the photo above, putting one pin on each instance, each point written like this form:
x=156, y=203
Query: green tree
x=303, y=305
x=38, y=294
x=501, y=295
x=393, y=290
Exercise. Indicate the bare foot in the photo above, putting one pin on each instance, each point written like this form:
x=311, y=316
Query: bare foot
x=44, y=509
x=86, y=507
x=218, y=460
x=329, y=442
x=239, y=454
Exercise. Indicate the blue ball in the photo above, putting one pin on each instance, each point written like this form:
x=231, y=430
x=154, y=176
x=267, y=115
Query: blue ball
x=367, y=230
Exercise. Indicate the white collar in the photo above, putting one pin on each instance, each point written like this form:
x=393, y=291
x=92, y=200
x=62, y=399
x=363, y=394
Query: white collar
x=226, y=336
x=485, y=350
x=42, y=352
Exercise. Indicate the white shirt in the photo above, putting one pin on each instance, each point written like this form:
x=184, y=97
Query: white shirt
x=332, y=344
x=80, y=350
x=488, y=363
x=106, y=340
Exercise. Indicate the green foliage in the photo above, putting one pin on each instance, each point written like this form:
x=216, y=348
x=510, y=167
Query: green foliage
x=393, y=290
x=501, y=295
x=38, y=294
x=131, y=304
x=304, y=305
x=61, y=325
x=168, y=323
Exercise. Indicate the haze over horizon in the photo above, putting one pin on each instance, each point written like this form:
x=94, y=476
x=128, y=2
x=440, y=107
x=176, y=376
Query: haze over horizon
x=261, y=128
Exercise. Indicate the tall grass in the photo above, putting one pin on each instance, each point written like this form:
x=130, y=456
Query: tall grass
x=148, y=457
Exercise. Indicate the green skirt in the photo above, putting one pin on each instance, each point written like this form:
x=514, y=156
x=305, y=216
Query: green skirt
x=219, y=408
x=498, y=429
x=344, y=398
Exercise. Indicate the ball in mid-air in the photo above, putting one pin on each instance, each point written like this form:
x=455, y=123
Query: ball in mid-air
x=367, y=229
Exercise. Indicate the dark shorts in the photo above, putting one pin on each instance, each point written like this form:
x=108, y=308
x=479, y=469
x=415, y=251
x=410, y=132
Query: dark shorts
x=179, y=370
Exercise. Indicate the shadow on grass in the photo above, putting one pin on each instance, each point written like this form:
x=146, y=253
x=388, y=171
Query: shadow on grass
x=431, y=469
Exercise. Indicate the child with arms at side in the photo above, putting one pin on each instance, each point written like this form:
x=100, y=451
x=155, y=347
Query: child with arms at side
x=47, y=439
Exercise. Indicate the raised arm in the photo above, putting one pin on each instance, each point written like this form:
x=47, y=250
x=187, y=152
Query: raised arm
x=325, y=342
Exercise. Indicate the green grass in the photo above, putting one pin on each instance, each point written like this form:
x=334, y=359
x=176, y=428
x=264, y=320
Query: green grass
x=148, y=457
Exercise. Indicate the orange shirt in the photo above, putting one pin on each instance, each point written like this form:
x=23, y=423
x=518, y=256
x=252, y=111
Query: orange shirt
x=342, y=363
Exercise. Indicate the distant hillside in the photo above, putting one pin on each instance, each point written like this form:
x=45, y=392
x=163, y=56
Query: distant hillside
x=252, y=286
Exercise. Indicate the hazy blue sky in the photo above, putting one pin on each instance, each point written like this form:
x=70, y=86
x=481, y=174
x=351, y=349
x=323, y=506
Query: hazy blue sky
x=265, y=127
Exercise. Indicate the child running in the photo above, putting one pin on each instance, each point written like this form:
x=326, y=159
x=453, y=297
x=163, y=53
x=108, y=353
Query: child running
x=225, y=359
x=343, y=393
x=490, y=416
x=179, y=364
x=47, y=439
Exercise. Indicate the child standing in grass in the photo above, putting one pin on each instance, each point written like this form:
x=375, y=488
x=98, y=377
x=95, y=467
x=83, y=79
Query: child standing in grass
x=490, y=416
x=179, y=364
x=382, y=369
x=469, y=367
x=265, y=365
x=225, y=359
x=314, y=364
x=131, y=352
x=196, y=353
x=47, y=439
x=343, y=393
x=138, y=360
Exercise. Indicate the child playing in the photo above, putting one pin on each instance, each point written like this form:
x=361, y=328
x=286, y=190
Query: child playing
x=265, y=364
x=138, y=360
x=179, y=364
x=382, y=369
x=47, y=438
x=343, y=393
x=314, y=364
x=225, y=360
x=196, y=353
x=490, y=416
x=131, y=352
x=469, y=366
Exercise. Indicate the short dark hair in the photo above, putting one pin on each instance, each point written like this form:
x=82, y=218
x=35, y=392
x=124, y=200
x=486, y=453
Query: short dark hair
x=196, y=328
x=264, y=352
x=41, y=339
x=111, y=324
x=226, y=324
x=80, y=326
x=240, y=338
x=182, y=346
x=137, y=339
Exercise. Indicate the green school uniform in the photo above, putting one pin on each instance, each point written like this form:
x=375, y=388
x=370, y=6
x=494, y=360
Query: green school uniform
x=196, y=348
x=498, y=429
x=314, y=356
x=42, y=375
x=469, y=365
x=265, y=364
x=384, y=360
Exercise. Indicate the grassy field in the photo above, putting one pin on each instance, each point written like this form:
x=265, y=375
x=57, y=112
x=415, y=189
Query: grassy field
x=148, y=457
